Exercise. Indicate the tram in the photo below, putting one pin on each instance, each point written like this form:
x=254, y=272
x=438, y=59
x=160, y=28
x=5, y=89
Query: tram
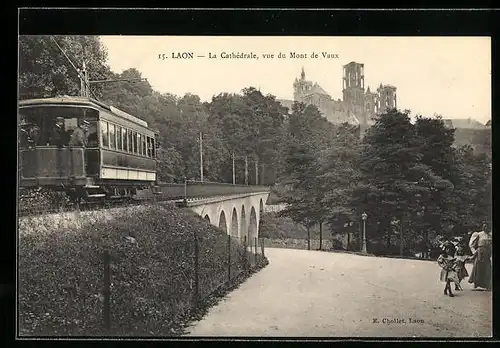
x=117, y=158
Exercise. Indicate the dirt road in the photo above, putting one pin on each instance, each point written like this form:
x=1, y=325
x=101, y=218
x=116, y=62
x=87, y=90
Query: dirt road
x=320, y=294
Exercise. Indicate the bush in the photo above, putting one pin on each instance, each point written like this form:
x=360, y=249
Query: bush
x=152, y=271
x=337, y=244
x=381, y=249
x=274, y=226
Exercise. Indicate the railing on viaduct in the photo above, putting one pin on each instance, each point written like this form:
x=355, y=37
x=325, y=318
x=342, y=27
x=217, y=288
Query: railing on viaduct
x=203, y=189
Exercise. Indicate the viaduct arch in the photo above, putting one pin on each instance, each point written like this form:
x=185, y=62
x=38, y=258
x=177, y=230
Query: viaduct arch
x=237, y=215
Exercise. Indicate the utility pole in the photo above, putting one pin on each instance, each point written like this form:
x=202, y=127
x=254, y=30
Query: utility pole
x=82, y=85
x=234, y=177
x=246, y=170
x=256, y=171
x=82, y=75
x=262, y=176
x=201, y=157
x=86, y=85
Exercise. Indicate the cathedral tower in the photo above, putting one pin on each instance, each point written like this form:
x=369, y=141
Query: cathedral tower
x=386, y=98
x=353, y=87
x=301, y=87
x=370, y=105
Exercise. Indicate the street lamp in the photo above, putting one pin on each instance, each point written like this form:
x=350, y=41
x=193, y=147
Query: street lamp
x=364, y=217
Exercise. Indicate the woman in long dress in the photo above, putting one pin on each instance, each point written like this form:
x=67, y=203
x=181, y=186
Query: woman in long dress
x=480, y=246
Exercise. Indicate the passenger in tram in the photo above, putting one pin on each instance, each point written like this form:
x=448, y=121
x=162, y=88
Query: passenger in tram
x=25, y=134
x=35, y=136
x=59, y=136
x=79, y=136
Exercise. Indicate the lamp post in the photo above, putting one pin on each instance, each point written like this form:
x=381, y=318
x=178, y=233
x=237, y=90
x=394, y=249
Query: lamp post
x=364, y=217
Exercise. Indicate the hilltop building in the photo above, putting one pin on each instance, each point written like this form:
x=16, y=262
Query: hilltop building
x=358, y=106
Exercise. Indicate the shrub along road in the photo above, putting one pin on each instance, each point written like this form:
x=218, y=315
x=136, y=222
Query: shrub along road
x=320, y=294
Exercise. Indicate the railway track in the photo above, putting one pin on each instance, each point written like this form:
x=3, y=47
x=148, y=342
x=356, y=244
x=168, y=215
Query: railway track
x=39, y=201
x=24, y=211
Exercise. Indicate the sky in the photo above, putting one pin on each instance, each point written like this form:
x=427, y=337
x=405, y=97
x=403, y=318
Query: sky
x=449, y=76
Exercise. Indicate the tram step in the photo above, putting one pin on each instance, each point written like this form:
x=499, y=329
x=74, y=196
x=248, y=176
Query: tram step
x=97, y=195
x=116, y=197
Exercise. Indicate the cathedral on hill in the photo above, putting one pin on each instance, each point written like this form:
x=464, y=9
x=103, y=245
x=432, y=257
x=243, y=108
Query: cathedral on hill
x=358, y=106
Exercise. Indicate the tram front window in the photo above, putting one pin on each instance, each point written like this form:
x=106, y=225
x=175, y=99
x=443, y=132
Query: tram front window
x=53, y=125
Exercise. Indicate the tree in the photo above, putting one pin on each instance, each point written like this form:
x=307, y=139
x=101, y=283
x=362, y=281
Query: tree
x=251, y=126
x=470, y=203
x=302, y=170
x=169, y=161
x=340, y=177
x=392, y=171
x=300, y=201
x=436, y=149
x=44, y=70
x=129, y=95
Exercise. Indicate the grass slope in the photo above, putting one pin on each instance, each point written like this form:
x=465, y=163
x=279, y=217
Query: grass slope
x=152, y=252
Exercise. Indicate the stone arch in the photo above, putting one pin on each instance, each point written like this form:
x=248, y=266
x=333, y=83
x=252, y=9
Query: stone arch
x=252, y=226
x=207, y=218
x=222, y=221
x=234, y=223
x=243, y=222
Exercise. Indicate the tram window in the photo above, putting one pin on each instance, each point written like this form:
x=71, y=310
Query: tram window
x=138, y=139
x=129, y=136
x=148, y=142
x=125, y=139
x=92, y=134
x=112, y=136
x=139, y=144
x=153, y=148
x=134, y=142
x=104, y=134
x=119, y=138
x=143, y=148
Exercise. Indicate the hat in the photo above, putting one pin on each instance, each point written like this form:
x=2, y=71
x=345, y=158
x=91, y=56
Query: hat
x=447, y=245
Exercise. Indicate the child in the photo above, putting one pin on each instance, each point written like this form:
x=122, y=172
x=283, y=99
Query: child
x=459, y=267
x=447, y=262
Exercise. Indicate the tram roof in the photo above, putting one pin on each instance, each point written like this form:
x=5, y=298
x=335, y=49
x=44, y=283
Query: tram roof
x=84, y=101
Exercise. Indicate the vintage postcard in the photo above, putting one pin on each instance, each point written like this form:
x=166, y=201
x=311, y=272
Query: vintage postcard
x=254, y=186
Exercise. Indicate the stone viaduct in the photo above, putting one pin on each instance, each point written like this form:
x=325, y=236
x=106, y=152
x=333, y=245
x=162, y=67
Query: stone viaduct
x=236, y=214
